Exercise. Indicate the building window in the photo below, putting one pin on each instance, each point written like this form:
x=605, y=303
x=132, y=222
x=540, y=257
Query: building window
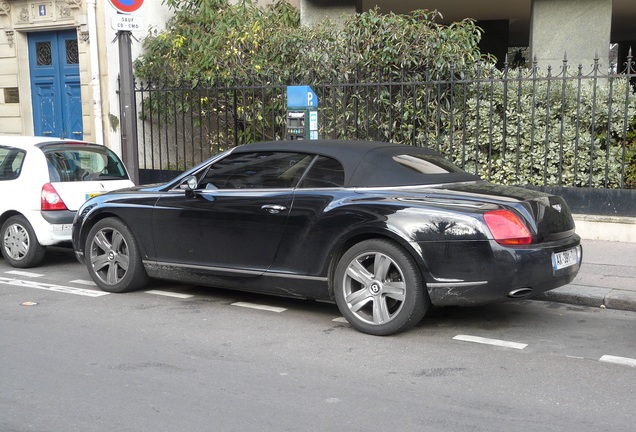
x=72, y=53
x=43, y=53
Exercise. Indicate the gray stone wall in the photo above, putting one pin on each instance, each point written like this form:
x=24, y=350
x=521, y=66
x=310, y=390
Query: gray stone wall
x=314, y=11
x=580, y=28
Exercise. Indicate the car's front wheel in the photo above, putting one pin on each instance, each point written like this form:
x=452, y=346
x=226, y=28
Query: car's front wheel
x=113, y=258
x=378, y=288
x=20, y=246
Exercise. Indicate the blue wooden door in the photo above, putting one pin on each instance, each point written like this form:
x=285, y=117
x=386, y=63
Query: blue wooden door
x=55, y=84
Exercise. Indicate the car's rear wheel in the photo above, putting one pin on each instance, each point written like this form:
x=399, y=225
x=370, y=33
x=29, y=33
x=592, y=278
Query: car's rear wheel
x=20, y=246
x=378, y=288
x=113, y=258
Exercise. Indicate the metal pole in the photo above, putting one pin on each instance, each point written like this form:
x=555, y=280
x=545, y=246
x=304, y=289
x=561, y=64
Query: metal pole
x=127, y=106
x=98, y=130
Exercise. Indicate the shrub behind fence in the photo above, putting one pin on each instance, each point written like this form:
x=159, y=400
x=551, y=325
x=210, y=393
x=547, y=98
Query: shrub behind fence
x=524, y=126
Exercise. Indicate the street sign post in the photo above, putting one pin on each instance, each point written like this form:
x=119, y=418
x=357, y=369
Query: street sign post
x=125, y=23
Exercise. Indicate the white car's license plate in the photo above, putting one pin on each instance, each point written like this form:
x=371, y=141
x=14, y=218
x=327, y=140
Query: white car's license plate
x=561, y=260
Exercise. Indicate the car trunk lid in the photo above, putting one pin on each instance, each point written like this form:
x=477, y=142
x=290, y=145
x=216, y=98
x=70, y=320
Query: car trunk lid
x=547, y=215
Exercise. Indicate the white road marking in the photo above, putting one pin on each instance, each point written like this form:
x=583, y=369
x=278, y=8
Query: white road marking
x=169, y=294
x=496, y=342
x=625, y=361
x=23, y=273
x=260, y=307
x=52, y=287
x=83, y=282
x=340, y=320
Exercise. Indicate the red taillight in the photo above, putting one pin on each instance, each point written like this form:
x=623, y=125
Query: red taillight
x=51, y=200
x=507, y=228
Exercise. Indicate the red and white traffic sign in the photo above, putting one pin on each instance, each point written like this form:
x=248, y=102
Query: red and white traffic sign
x=126, y=6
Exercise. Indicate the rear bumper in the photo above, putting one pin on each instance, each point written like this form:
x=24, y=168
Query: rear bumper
x=59, y=217
x=486, y=272
x=51, y=230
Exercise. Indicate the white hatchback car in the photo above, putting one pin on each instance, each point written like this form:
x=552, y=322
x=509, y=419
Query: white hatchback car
x=43, y=181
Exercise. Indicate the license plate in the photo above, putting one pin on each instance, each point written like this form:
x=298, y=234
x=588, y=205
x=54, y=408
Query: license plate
x=568, y=258
x=93, y=194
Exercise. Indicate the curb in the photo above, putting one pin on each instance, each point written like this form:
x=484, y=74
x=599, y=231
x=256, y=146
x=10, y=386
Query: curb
x=607, y=228
x=592, y=296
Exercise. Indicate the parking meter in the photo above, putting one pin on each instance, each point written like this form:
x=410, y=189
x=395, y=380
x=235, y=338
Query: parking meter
x=302, y=113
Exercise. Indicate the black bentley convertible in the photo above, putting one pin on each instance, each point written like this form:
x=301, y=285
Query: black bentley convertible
x=385, y=230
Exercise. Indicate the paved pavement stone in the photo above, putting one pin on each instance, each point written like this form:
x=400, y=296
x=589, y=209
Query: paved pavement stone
x=603, y=281
x=621, y=299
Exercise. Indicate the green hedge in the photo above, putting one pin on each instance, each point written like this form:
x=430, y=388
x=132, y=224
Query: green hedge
x=527, y=129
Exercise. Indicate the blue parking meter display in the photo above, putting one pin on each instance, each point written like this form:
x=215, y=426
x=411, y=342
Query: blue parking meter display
x=302, y=113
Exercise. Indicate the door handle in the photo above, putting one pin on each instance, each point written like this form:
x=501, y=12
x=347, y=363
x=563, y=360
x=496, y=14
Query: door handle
x=47, y=133
x=273, y=208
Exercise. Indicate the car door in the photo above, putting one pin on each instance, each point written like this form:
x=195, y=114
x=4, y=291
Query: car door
x=235, y=219
x=21, y=192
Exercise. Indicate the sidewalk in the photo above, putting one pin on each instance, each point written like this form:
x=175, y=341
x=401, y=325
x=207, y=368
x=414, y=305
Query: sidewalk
x=607, y=277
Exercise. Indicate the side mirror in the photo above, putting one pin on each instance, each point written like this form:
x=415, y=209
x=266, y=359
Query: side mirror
x=189, y=184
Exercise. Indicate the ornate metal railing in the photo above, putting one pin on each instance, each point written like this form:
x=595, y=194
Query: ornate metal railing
x=540, y=127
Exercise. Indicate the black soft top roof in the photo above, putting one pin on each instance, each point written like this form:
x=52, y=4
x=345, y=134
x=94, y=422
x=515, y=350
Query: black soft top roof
x=370, y=163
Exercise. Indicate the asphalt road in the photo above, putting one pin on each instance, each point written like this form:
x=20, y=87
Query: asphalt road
x=184, y=358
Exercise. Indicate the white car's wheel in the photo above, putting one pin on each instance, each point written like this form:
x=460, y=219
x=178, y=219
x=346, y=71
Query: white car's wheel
x=379, y=289
x=20, y=246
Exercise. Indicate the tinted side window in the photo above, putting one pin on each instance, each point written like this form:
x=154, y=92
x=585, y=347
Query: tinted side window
x=10, y=163
x=324, y=173
x=268, y=170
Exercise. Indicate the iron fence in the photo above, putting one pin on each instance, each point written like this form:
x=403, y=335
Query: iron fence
x=554, y=127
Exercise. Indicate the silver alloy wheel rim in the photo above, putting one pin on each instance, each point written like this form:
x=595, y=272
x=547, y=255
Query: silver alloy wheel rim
x=16, y=241
x=109, y=256
x=374, y=288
